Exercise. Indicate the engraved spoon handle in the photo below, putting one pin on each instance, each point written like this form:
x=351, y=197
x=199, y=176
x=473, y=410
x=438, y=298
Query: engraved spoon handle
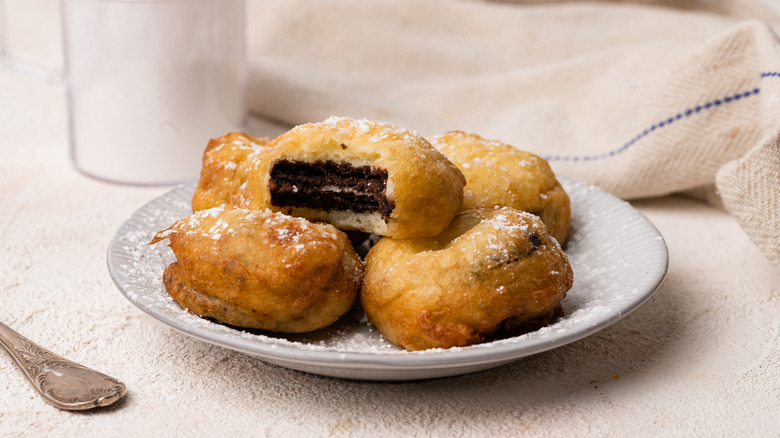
x=64, y=384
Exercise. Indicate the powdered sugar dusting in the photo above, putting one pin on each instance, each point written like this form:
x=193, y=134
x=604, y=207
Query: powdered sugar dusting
x=615, y=269
x=380, y=130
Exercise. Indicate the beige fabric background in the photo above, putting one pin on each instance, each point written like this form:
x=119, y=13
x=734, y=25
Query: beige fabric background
x=643, y=99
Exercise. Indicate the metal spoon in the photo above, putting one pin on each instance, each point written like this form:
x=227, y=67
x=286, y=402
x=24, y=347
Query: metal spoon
x=64, y=384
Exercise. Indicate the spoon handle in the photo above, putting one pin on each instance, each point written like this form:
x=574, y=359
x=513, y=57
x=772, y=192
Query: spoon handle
x=64, y=384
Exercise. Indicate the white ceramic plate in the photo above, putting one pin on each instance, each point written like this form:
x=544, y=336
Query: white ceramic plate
x=618, y=258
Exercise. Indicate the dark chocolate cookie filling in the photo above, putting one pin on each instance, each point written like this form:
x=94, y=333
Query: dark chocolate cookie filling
x=328, y=185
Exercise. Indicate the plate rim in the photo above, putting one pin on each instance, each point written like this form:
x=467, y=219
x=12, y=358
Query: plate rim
x=439, y=359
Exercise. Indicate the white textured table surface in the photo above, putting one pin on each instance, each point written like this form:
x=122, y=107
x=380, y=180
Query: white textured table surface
x=700, y=358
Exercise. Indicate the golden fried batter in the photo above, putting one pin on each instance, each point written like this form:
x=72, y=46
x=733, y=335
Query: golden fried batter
x=490, y=269
x=358, y=174
x=260, y=269
x=224, y=170
x=499, y=174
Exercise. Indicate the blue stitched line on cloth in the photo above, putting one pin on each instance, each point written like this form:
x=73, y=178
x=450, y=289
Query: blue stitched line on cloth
x=663, y=123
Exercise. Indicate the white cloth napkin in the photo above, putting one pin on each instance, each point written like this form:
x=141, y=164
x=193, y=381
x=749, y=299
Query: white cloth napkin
x=643, y=99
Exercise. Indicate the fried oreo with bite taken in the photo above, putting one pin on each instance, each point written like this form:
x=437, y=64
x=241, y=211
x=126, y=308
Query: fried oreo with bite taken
x=499, y=174
x=260, y=269
x=491, y=270
x=359, y=175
